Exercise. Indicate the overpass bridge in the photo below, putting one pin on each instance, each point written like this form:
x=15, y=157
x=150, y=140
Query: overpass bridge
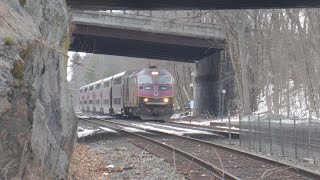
x=144, y=36
x=156, y=37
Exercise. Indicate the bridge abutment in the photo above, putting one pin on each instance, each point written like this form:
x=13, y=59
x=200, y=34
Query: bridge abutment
x=214, y=85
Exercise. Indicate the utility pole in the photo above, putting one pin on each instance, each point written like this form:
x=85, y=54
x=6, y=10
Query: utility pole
x=222, y=103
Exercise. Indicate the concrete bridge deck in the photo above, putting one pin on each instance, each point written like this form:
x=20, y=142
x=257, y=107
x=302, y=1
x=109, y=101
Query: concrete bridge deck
x=144, y=37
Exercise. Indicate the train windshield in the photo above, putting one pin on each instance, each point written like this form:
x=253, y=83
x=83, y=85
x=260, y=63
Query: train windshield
x=165, y=79
x=146, y=79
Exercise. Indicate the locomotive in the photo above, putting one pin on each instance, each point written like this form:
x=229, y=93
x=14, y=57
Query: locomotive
x=147, y=94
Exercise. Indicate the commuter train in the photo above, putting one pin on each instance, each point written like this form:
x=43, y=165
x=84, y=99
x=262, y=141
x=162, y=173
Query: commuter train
x=147, y=94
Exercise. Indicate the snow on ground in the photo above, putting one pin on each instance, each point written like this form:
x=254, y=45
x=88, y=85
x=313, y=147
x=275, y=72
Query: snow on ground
x=130, y=129
x=226, y=127
x=297, y=101
x=276, y=120
x=179, y=115
x=82, y=132
x=83, y=117
x=202, y=123
x=290, y=121
x=171, y=130
x=162, y=130
x=101, y=116
x=108, y=129
x=206, y=122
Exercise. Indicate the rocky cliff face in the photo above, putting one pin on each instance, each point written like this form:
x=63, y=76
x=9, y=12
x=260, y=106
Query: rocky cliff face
x=37, y=122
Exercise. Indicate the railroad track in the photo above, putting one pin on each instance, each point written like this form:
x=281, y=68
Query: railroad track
x=219, y=161
x=217, y=130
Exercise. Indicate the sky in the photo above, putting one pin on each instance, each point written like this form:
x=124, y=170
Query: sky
x=70, y=54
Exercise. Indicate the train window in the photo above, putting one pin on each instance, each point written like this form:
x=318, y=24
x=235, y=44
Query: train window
x=106, y=84
x=98, y=86
x=98, y=101
x=165, y=79
x=106, y=101
x=85, y=89
x=90, y=101
x=145, y=79
x=148, y=88
x=91, y=88
x=85, y=102
x=117, y=81
x=165, y=88
x=80, y=90
x=117, y=100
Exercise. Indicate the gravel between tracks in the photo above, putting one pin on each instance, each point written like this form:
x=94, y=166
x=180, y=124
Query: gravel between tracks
x=126, y=161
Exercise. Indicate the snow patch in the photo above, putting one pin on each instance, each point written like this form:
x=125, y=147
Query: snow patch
x=206, y=122
x=297, y=102
x=110, y=166
x=162, y=130
x=171, y=130
x=82, y=132
x=181, y=115
x=108, y=129
x=130, y=129
x=83, y=117
x=226, y=127
x=100, y=116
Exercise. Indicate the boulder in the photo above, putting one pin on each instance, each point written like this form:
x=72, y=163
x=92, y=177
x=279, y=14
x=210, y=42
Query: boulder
x=37, y=122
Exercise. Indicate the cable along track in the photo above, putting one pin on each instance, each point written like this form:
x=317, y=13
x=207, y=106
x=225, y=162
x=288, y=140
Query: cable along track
x=218, y=160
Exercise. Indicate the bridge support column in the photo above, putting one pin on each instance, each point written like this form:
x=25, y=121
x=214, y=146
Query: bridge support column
x=213, y=75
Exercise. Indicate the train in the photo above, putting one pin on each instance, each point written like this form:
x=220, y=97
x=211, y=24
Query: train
x=147, y=94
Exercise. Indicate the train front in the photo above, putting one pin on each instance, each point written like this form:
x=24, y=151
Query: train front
x=155, y=93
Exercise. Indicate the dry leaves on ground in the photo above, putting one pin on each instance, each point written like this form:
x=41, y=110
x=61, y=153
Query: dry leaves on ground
x=87, y=164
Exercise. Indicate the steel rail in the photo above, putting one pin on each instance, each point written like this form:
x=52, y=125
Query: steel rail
x=212, y=169
x=235, y=131
x=218, y=130
x=294, y=169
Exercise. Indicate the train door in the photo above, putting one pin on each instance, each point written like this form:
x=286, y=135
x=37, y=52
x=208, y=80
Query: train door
x=86, y=99
x=125, y=91
x=106, y=96
x=117, y=95
x=98, y=95
x=91, y=98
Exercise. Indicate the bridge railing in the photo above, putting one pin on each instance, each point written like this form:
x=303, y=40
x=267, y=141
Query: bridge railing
x=195, y=16
x=151, y=23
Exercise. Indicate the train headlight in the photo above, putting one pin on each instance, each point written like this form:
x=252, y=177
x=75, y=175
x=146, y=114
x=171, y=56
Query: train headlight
x=145, y=99
x=155, y=73
x=166, y=100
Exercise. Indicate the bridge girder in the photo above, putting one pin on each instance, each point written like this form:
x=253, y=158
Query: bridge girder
x=131, y=43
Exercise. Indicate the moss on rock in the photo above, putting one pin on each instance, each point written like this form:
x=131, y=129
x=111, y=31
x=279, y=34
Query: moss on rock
x=9, y=42
x=22, y=2
x=18, y=70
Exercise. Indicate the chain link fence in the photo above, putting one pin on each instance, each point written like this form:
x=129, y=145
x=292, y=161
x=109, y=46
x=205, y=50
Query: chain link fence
x=287, y=137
